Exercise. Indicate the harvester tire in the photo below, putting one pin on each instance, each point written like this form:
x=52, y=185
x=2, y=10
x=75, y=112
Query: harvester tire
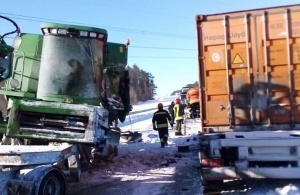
x=53, y=183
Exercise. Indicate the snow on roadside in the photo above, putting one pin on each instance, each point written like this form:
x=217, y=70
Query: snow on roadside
x=140, y=169
x=166, y=101
x=136, y=170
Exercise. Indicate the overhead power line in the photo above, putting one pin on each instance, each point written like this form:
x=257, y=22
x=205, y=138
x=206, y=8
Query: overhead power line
x=127, y=8
x=168, y=48
x=38, y=19
x=31, y=18
x=164, y=57
x=146, y=47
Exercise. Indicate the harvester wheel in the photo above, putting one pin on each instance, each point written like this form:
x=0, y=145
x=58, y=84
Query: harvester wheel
x=53, y=183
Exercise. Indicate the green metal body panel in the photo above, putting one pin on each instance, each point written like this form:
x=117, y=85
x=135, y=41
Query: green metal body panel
x=56, y=121
x=6, y=48
x=117, y=55
x=63, y=98
x=115, y=67
x=26, y=65
x=19, y=94
x=3, y=126
x=115, y=76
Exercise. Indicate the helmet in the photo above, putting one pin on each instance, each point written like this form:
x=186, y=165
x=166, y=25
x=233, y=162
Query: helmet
x=177, y=101
x=160, y=105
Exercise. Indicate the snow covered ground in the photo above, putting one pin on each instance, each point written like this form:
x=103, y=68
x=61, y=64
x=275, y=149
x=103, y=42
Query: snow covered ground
x=166, y=101
x=142, y=168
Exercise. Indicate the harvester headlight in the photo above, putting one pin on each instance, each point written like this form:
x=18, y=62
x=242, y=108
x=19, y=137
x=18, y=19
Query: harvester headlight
x=62, y=31
x=101, y=36
x=68, y=100
x=14, y=83
x=92, y=34
x=45, y=30
x=83, y=33
x=53, y=31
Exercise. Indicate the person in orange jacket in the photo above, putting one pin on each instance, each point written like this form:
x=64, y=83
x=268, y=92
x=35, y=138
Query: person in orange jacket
x=192, y=96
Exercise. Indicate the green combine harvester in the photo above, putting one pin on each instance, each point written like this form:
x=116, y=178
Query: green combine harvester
x=65, y=91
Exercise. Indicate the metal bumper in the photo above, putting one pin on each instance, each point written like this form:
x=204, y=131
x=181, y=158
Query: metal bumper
x=13, y=155
x=227, y=173
x=218, y=173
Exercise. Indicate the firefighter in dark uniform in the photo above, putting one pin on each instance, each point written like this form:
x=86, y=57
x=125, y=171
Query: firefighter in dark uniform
x=161, y=120
x=171, y=112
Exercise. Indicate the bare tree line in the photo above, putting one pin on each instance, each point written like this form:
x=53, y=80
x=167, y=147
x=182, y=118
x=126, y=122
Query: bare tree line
x=142, y=87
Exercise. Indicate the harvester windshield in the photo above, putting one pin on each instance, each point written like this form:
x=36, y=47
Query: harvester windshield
x=72, y=63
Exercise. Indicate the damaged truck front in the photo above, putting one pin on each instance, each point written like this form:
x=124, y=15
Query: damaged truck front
x=249, y=76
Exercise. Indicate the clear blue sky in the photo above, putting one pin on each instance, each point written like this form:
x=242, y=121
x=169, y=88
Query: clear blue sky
x=162, y=32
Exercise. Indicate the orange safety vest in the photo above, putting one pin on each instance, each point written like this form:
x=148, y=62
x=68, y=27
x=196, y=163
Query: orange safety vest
x=192, y=95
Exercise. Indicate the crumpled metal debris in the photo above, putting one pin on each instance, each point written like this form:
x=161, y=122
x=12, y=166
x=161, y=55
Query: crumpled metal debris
x=168, y=161
x=132, y=136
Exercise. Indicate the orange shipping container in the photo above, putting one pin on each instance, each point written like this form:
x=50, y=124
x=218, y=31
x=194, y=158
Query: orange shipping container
x=249, y=69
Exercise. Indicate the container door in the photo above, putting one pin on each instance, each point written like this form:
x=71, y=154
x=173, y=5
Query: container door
x=249, y=69
x=280, y=44
x=226, y=72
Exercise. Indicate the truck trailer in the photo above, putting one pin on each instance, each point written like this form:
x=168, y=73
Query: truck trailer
x=249, y=84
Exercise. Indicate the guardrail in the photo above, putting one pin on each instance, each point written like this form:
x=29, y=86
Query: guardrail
x=146, y=110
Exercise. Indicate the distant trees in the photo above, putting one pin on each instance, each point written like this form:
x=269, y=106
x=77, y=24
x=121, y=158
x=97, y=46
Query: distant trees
x=196, y=85
x=142, y=86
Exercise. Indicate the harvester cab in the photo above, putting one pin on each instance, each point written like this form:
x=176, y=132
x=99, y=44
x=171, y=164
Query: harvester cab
x=63, y=89
x=67, y=84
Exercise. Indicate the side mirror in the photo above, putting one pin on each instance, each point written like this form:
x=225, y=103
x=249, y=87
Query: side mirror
x=6, y=53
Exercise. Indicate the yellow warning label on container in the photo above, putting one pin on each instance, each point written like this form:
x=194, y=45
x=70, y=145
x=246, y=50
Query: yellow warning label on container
x=237, y=59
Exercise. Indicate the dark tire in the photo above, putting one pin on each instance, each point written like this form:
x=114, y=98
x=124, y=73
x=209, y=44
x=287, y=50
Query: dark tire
x=53, y=183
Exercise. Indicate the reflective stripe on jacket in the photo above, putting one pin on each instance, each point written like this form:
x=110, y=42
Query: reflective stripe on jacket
x=161, y=119
x=176, y=112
